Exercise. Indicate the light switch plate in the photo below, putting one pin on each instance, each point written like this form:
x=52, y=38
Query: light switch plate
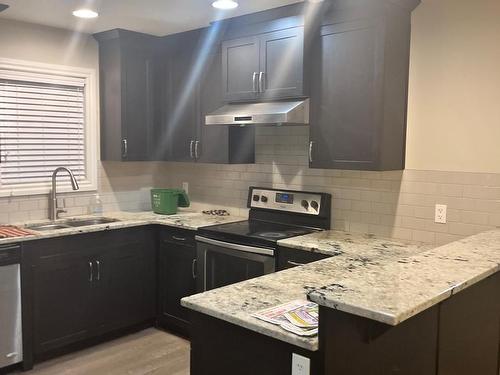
x=440, y=213
x=300, y=365
x=185, y=187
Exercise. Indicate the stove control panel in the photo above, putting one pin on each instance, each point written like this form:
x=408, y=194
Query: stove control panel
x=288, y=201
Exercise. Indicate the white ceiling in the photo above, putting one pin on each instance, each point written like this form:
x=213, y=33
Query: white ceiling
x=158, y=17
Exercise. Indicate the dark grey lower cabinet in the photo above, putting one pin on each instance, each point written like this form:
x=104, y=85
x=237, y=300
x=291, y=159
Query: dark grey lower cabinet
x=359, y=86
x=177, y=278
x=290, y=258
x=84, y=286
x=459, y=336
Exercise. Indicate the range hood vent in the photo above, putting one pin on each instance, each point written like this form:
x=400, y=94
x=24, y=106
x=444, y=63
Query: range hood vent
x=267, y=113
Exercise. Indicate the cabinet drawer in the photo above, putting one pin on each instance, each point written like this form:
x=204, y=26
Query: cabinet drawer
x=289, y=258
x=182, y=237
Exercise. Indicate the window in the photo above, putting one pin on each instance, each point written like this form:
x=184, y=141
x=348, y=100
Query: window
x=47, y=120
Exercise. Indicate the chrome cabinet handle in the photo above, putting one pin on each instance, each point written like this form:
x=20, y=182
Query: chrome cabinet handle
x=292, y=263
x=11, y=355
x=191, y=149
x=193, y=268
x=179, y=238
x=254, y=81
x=98, y=270
x=196, y=144
x=311, y=143
x=91, y=272
x=125, y=148
x=261, y=82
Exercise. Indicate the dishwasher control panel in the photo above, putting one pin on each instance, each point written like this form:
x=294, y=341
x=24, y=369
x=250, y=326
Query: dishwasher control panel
x=10, y=254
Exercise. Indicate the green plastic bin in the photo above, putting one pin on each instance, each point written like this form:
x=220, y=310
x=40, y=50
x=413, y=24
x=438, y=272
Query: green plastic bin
x=166, y=201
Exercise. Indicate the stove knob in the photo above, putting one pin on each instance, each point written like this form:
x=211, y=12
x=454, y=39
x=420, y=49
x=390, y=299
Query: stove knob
x=263, y=199
x=305, y=204
x=256, y=198
x=315, y=205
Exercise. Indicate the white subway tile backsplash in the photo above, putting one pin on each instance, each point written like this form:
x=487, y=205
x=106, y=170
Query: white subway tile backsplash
x=397, y=204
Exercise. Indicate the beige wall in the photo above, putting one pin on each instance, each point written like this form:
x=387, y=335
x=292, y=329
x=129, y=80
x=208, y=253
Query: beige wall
x=454, y=101
x=26, y=41
x=122, y=186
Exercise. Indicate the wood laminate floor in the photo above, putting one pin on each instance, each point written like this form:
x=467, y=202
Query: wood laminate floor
x=149, y=352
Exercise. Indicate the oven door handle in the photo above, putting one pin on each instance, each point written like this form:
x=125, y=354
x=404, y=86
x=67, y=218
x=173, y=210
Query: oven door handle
x=232, y=246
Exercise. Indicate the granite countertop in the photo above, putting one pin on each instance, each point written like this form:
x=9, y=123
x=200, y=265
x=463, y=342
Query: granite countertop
x=333, y=243
x=384, y=280
x=236, y=303
x=183, y=219
x=395, y=290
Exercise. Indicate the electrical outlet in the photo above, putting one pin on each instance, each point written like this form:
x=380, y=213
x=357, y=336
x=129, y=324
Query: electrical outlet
x=300, y=365
x=440, y=213
x=185, y=187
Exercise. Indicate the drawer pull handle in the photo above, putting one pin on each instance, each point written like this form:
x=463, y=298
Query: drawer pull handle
x=292, y=263
x=179, y=238
x=193, y=268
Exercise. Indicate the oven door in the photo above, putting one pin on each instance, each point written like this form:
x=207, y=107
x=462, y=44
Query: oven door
x=222, y=263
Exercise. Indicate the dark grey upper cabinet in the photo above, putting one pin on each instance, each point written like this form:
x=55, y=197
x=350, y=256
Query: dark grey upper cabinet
x=266, y=66
x=192, y=89
x=359, y=83
x=220, y=144
x=182, y=99
x=240, y=65
x=126, y=62
x=281, y=64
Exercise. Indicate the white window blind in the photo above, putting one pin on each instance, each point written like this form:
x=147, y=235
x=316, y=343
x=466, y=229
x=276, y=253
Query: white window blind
x=41, y=127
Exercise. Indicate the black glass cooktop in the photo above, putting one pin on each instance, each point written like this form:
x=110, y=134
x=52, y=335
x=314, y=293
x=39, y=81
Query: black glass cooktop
x=253, y=232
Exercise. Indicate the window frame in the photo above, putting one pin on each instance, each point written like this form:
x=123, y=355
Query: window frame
x=23, y=71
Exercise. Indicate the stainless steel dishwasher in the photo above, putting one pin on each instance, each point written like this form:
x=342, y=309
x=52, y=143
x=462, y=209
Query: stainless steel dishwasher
x=11, y=343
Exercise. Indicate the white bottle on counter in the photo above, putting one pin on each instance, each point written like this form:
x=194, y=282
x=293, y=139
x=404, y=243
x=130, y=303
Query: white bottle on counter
x=96, y=207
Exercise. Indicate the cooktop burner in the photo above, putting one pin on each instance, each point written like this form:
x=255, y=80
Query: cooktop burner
x=254, y=231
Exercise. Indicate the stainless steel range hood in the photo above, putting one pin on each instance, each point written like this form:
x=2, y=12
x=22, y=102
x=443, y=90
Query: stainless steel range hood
x=269, y=113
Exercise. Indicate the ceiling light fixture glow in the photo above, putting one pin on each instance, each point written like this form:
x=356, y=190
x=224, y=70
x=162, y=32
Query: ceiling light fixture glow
x=85, y=13
x=225, y=4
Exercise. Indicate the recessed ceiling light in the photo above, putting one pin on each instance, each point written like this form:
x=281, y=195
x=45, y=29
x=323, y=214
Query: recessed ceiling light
x=225, y=4
x=85, y=13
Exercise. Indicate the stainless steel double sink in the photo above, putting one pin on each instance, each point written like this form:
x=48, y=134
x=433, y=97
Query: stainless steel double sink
x=70, y=223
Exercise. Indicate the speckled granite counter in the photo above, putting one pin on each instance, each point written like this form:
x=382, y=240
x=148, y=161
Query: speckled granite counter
x=393, y=291
x=383, y=280
x=184, y=219
x=236, y=303
x=336, y=243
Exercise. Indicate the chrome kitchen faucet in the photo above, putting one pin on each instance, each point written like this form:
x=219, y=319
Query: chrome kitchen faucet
x=54, y=211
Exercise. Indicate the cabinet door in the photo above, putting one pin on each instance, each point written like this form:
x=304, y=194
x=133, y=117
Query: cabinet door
x=62, y=295
x=177, y=280
x=240, y=67
x=125, y=278
x=182, y=117
x=344, y=100
x=282, y=64
x=220, y=144
x=213, y=146
x=137, y=118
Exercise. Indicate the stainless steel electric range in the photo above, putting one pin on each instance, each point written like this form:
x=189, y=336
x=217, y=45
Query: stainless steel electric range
x=229, y=253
